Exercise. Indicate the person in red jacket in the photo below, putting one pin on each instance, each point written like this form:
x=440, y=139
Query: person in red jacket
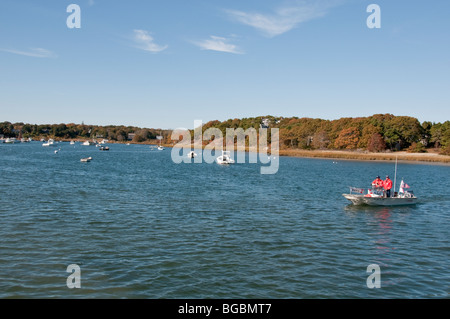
x=387, y=185
x=377, y=183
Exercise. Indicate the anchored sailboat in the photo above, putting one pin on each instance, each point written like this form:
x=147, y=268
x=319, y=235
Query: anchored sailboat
x=160, y=147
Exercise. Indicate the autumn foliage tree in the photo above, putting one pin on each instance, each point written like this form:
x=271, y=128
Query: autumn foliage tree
x=416, y=148
x=348, y=138
x=320, y=140
x=376, y=143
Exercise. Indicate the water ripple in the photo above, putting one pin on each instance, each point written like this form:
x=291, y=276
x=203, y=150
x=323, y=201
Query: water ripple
x=140, y=226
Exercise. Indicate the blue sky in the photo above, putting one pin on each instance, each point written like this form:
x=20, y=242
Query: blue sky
x=164, y=64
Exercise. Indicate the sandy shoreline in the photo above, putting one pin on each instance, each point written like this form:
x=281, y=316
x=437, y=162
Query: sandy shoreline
x=428, y=158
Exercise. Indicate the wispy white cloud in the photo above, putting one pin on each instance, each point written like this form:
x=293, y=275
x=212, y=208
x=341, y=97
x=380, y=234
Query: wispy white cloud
x=32, y=52
x=146, y=42
x=285, y=18
x=220, y=44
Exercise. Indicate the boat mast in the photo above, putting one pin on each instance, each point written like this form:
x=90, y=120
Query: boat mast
x=395, y=176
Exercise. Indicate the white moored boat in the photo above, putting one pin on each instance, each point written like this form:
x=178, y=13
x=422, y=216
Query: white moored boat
x=160, y=147
x=225, y=158
x=50, y=142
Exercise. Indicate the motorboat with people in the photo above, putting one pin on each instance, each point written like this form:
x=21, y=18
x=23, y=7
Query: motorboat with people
x=376, y=196
x=379, y=194
x=225, y=158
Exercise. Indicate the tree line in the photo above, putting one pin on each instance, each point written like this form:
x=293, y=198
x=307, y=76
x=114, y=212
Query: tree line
x=73, y=131
x=376, y=133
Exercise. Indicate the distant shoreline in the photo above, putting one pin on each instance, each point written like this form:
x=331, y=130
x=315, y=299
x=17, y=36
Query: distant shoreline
x=429, y=158
x=402, y=156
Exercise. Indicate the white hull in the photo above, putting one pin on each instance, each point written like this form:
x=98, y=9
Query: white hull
x=380, y=201
x=225, y=158
x=222, y=161
x=49, y=143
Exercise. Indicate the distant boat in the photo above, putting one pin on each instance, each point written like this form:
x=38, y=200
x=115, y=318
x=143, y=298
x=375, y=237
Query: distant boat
x=86, y=159
x=10, y=140
x=192, y=154
x=160, y=147
x=88, y=143
x=225, y=158
x=104, y=148
x=50, y=142
x=72, y=143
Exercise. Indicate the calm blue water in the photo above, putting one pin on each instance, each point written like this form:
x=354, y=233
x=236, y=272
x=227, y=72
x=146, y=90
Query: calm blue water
x=140, y=226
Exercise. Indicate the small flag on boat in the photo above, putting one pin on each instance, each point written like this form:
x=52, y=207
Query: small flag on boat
x=357, y=190
x=403, y=185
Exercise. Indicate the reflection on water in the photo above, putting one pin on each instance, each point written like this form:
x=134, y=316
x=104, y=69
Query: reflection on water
x=384, y=220
x=390, y=248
